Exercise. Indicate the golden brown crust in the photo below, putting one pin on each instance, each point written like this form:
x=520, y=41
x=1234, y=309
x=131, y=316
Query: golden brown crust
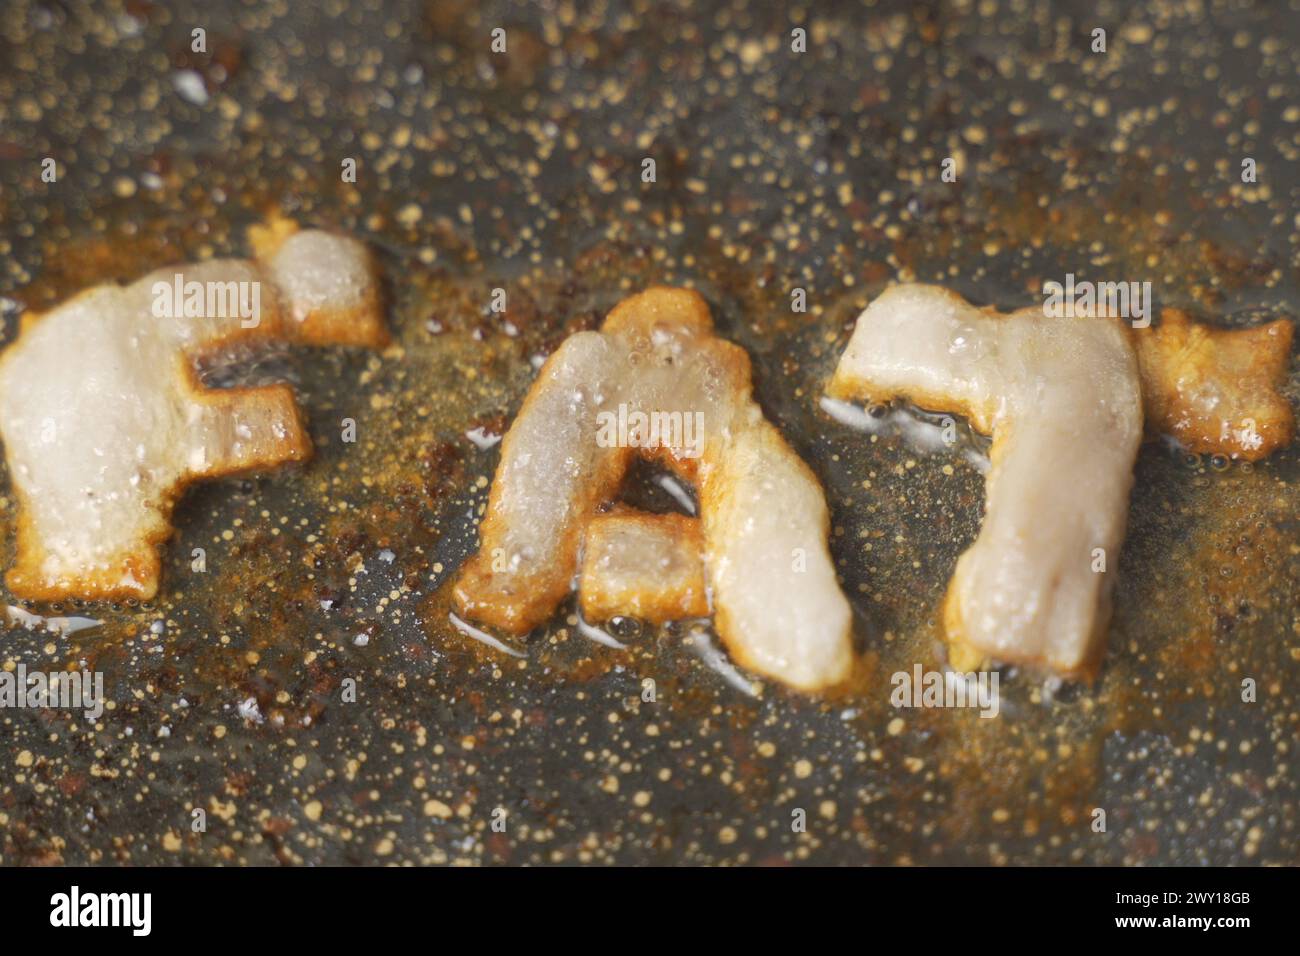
x=25, y=579
x=847, y=387
x=1217, y=390
x=266, y=409
x=266, y=238
x=360, y=326
x=683, y=308
x=671, y=591
x=142, y=564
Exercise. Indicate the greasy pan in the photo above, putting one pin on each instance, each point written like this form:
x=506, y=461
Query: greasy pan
x=775, y=170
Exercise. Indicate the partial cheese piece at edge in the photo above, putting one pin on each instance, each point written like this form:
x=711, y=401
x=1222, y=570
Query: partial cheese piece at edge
x=1217, y=390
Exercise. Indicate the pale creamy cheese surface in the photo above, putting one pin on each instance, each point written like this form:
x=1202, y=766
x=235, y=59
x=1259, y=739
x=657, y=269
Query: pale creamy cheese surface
x=104, y=419
x=1062, y=400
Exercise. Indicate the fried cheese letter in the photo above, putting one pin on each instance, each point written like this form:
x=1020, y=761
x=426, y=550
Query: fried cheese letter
x=763, y=526
x=1063, y=399
x=105, y=421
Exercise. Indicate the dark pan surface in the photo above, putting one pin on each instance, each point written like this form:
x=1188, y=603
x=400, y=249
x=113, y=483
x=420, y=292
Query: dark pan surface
x=774, y=171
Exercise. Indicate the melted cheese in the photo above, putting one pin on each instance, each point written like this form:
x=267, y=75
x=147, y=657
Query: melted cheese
x=105, y=423
x=776, y=602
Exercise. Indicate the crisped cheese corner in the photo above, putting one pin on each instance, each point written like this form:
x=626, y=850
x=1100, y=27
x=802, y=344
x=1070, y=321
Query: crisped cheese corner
x=1217, y=390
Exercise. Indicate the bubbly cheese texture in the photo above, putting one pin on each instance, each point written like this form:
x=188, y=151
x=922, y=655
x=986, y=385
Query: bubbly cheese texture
x=1062, y=400
x=105, y=422
x=655, y=381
